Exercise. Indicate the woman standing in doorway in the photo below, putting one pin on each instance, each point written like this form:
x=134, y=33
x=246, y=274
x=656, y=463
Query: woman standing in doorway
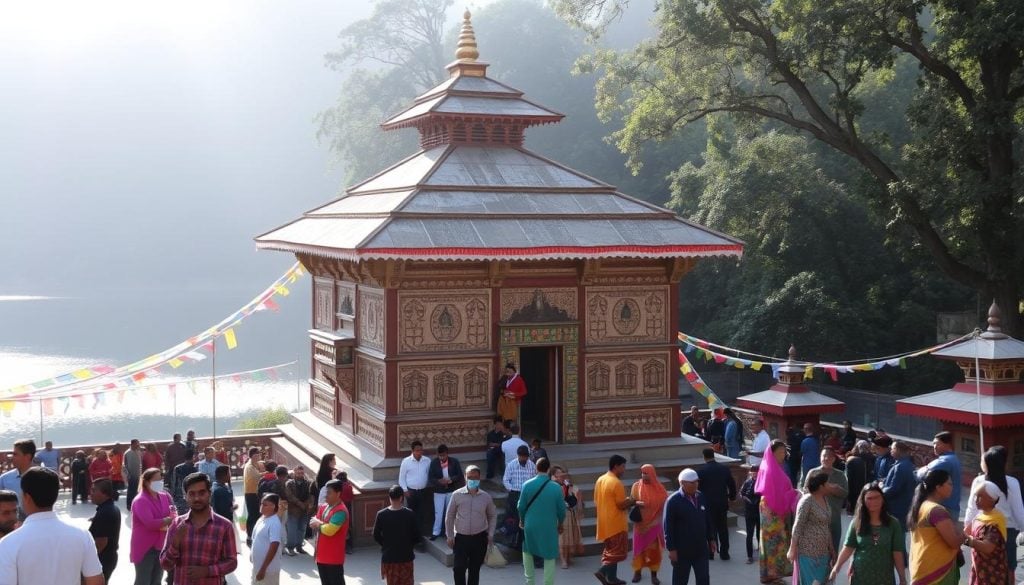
x=512, y=389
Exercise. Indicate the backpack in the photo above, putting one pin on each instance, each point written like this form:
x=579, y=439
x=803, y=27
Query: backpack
x=266, y=486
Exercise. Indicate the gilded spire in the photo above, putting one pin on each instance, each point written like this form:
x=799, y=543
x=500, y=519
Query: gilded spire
x=466, y=51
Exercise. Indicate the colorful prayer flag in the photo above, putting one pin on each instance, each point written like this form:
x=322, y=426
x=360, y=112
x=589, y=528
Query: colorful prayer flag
x=229, y=339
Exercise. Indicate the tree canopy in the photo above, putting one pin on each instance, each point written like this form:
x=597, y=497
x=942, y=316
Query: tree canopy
x=944, y=169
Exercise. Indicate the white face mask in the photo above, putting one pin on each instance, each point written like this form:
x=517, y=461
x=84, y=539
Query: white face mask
x=157, y=486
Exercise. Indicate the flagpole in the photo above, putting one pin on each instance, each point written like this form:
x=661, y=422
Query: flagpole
x=213, y=382
x=977, y=387
x=41, y=442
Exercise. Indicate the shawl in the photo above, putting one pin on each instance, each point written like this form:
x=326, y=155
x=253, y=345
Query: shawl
x=775, y=487
x=653, y=495
x=995, y=517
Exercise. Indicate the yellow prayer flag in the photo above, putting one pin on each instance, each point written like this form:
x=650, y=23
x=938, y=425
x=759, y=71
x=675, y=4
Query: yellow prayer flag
x=229, y=339
x=686, y=368
x=862, y=368
x=281, y=290
x=175, y=363
x=809, y=372
x=82, y=374
x=756, y=366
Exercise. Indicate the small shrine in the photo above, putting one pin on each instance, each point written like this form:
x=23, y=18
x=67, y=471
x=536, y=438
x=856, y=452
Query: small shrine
x=990, y=398
x=789, y=402
x=474, y=253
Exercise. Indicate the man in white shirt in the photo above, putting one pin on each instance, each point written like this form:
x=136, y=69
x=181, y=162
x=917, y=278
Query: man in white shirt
x=412, y=476
x=23, y=558
x=510, y=446
x=761, y=443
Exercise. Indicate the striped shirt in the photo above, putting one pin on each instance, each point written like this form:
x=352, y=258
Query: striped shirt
x=211, y=546
x=516, y=474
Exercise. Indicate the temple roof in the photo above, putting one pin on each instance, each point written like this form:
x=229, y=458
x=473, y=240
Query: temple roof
x=474, y=193
x=784, y=403
x=963, y=407
x=991, y=344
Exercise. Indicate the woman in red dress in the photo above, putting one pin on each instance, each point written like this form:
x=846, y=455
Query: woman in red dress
x=512, y=389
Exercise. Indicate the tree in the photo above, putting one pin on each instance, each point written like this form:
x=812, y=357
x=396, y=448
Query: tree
x=389, y=58
x=952, y=189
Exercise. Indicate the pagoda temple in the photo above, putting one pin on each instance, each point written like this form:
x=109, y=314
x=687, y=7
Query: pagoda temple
x=990, y=398
x=475, y=252
x=789, y=402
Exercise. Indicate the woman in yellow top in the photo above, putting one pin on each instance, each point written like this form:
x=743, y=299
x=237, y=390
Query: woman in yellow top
x=934, y=541
x=648, y=534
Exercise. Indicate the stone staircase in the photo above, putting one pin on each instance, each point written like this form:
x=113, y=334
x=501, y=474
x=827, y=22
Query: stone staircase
x=307, y=438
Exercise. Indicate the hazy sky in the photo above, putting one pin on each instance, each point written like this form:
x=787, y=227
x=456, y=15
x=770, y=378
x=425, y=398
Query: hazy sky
x=143, y=143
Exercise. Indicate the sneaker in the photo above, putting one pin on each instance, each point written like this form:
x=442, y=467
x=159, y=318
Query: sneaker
x=301, y=551
x=750, y=560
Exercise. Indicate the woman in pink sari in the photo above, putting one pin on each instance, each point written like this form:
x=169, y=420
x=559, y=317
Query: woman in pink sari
x=778, y=503
x=648, y=535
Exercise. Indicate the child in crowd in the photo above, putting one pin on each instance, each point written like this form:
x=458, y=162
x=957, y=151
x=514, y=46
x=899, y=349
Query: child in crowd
x=751, y=512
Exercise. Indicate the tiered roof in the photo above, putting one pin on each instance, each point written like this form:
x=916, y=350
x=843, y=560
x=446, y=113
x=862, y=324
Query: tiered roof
x=474, y=192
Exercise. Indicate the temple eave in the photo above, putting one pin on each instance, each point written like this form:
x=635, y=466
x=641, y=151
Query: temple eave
x=540, y=253
x=419, y=120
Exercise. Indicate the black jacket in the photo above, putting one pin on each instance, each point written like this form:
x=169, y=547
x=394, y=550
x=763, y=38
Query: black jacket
x=688, y=529
x=717, y=485
x=454, y=473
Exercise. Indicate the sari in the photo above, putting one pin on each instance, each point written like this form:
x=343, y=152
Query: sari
x=648, y=535
x=990, y=568
x=778, y=503
x=932, y=561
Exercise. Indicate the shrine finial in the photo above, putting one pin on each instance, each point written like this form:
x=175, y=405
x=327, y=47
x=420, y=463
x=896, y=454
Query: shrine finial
x=792, y=352
x=466, y=51
x=995, y=320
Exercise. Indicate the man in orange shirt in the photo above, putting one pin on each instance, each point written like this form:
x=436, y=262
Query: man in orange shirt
x=611, y=502
x=332, y=522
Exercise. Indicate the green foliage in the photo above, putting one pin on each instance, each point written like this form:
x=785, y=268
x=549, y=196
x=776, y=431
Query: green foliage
x=923, y=99
x=264, y=419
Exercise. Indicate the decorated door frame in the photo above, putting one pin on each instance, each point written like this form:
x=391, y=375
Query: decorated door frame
x=567, y=337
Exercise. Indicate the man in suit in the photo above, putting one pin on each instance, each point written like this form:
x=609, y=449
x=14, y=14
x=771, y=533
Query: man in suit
x=689, y=535
x=718, y=487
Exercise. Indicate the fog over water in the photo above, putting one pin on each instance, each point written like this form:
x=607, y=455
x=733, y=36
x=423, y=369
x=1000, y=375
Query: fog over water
x=144, y=146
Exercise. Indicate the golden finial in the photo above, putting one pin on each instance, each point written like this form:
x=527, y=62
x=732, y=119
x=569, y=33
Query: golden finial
x=466, y=51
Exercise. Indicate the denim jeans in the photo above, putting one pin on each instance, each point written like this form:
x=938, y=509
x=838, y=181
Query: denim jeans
x=296, y=528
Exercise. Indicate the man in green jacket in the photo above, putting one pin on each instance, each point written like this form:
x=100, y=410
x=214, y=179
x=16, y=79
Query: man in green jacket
x=541, y=512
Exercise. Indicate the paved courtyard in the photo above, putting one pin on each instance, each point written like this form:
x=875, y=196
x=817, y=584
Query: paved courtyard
x=363, y=568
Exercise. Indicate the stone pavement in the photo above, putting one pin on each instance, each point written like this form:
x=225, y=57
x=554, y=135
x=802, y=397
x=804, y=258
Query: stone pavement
x=363, y=566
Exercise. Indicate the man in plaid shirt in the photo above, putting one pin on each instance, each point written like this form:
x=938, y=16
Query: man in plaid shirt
x=200, y=548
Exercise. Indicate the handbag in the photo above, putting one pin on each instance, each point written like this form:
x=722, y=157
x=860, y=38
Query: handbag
x=494, y=559
x=635, y=515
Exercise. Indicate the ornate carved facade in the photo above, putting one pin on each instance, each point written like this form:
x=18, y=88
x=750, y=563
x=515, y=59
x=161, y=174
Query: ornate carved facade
x=444, y=321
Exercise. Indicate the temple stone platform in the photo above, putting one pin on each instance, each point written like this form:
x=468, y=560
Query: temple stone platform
x=307, y=438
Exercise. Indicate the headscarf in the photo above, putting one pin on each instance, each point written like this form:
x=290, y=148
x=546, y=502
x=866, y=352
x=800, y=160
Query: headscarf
x=653, y=495
x=775, y=487
x=993, y=516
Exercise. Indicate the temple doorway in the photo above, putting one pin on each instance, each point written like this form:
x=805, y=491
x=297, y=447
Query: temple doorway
x=541, y=369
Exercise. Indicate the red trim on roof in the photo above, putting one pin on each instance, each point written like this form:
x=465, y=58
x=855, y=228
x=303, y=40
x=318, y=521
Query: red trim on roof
x=961, y=416
x=545, y=250
x=990, y=389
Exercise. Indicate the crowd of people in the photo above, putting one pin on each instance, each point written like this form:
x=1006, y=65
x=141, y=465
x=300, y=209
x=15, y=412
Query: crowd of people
x=798, y=490
x=183, y=513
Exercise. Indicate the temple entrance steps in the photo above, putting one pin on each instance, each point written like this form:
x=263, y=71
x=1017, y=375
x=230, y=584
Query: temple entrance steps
x=307, y=438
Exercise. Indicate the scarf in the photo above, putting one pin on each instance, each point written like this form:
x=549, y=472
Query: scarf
x=653, y=495
x=993, y=516
x=775, y=487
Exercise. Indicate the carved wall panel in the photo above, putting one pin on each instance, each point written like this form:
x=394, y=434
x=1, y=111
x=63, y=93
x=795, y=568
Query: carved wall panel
x=627, y=315
x=370, y=378
x=538, y=305
x=627, y=376
x=369, y=429
x=452, y=434
x=323, y=304
x=346, y=292
x=455, y=320
x=342, y=380
x=427, y=385
x=370, y=321
x=631, y=422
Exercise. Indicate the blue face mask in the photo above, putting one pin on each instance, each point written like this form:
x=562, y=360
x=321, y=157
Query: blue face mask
x=473, y=484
